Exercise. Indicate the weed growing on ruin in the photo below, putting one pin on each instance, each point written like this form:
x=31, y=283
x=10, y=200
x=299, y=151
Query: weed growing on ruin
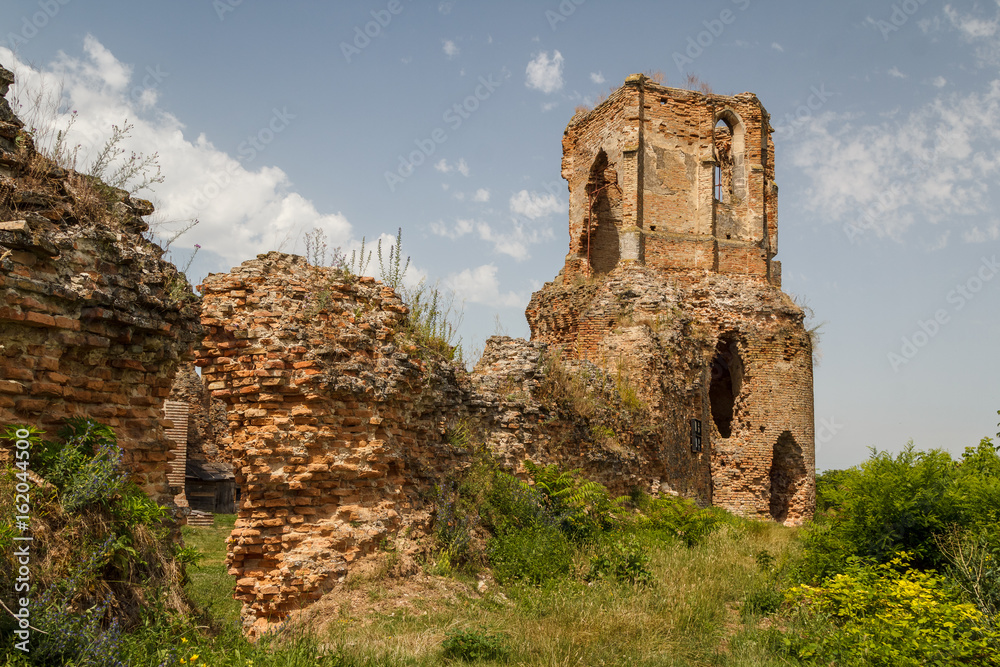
x=391, y=268
x=100, y=552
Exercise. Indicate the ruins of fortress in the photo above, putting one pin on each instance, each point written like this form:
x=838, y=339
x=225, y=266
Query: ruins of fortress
x=338, y=427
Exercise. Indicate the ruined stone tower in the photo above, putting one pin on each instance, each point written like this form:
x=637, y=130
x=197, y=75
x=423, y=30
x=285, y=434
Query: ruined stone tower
x=664, y=358
x=670, y=282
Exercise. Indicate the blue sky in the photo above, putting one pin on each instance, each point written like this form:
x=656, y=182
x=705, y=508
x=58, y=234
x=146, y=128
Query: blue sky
x=446, y=119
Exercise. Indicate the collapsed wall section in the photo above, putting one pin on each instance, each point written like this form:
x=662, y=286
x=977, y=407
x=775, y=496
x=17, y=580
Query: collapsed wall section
x=341, y=431
x=93, y=322
x=338, y=434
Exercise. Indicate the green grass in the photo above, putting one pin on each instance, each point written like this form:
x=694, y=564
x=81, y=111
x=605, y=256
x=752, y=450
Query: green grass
x=210, y=586
x=689, y=616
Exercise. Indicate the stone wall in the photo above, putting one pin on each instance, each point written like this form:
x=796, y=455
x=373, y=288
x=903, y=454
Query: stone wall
x=338, y=434
x=673, y=178
x=93, y=322
x=342, y=426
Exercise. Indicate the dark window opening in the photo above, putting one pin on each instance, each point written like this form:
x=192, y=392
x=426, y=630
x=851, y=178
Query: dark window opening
x=727, y=378
x=601, y=243
x=788, y=471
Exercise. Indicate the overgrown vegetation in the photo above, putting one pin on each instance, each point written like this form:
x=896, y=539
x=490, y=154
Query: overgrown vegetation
x=900, y=568
x=433, y=320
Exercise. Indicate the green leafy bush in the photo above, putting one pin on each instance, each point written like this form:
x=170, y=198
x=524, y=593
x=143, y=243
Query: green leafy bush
x=890, y=504
x=101, y=551
x=532, y=555
x=583, y=508
x=678, y=518
x=890, y=614
x=472, y=645
x=622, y=560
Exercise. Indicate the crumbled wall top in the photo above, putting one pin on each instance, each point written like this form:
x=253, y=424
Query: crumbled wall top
x=93, y=320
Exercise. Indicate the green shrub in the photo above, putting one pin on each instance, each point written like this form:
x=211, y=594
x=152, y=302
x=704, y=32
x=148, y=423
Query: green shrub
x=472, y=645
x=623, y=560
x=890, y=504
x=101, y=552
x=762, y=601
x=679, y=518
x=533, y=555
x=890, y=614
x=583, y=508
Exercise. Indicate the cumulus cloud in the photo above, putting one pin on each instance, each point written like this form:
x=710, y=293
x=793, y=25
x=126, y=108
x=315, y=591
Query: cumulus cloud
x=936, y=165
x=939, y=82
x=597, y=77
x=894, y=72
x=481, y=285
x=534, y=205
x=777, y=47
x=482, y=195
x=544, y=73
x=245, y=207
x=450, y=48
x=971, y=27
x=515, y=241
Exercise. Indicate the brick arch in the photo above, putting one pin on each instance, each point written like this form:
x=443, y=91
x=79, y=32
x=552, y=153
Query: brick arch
x=730, y=149
x=604, y=196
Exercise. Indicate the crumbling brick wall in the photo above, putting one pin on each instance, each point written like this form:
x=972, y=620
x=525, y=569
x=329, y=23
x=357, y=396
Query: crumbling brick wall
x=338, y=435
x=342, y=427
x=93, y=321
x=696, y=316
x=341, y=431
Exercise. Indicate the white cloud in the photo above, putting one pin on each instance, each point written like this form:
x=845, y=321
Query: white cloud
x=977, y=235
x=514, y=242
x=939, y=82
x=482, y=195
x=597, y=77
x=446, y=6
x=894, y=72
x=777, y=47
x=549, y=106
x=971, y=27
x=480, y=285
x=545, y=74
x=979, y=31
x=533, y=205
x=245, y=207
x=460, y=229
x=446, y=167
x=934, y=166
x=450, y=48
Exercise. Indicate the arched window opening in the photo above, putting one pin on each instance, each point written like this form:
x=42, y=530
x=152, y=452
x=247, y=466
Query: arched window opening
x=724, y=164
x=788, y=472
x=725, y=385
x=600, y=241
